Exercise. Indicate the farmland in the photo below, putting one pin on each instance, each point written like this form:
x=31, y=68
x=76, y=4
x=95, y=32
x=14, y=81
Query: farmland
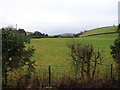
x=101, y=30
x=55, y=51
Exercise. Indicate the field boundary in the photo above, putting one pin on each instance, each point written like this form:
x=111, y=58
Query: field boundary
x=100, y=34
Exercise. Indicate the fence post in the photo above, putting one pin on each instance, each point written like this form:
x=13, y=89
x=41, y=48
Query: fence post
x=111, y=70
x=49, y=76
x=98, y=71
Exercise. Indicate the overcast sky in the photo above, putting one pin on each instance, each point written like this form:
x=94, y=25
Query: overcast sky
x=58, y=16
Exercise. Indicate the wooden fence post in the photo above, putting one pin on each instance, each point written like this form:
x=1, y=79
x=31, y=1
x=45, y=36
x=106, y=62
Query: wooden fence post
x=111, y=70
x=98, y=71
x=49, y=76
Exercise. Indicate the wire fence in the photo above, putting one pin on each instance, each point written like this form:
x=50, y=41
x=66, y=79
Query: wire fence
x=51, y=75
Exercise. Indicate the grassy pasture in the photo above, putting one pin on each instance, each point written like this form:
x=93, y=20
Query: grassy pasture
x=51, y=51
x=55, y=51
x=101, y=30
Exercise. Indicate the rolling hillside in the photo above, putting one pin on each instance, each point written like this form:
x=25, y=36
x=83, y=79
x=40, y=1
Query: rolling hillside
x=67, y=34
x=50, y=50
x=55, y=52
x=98, y=31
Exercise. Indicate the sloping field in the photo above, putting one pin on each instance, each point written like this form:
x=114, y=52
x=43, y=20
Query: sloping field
x=51, y=51
x=55, y=52
x=101, y=30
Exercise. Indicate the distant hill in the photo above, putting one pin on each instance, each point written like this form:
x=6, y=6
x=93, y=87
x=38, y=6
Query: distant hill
x=99, y=31
x=67, y=34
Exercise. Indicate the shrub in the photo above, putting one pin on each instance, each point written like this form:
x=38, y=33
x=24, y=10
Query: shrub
x=84, y=59
x=15, y=52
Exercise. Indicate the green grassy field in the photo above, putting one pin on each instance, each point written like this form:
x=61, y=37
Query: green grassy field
x=101, y=30
x=55, y=52
x=51, y=51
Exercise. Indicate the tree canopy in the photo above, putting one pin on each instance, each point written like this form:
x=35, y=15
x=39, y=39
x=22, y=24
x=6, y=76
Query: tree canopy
x=38, y=34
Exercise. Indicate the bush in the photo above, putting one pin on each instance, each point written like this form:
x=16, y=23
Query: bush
x=116, y=52
x=15, y=52
x=84, y=60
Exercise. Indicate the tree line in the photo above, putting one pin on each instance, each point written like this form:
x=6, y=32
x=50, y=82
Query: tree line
x=38, y=34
